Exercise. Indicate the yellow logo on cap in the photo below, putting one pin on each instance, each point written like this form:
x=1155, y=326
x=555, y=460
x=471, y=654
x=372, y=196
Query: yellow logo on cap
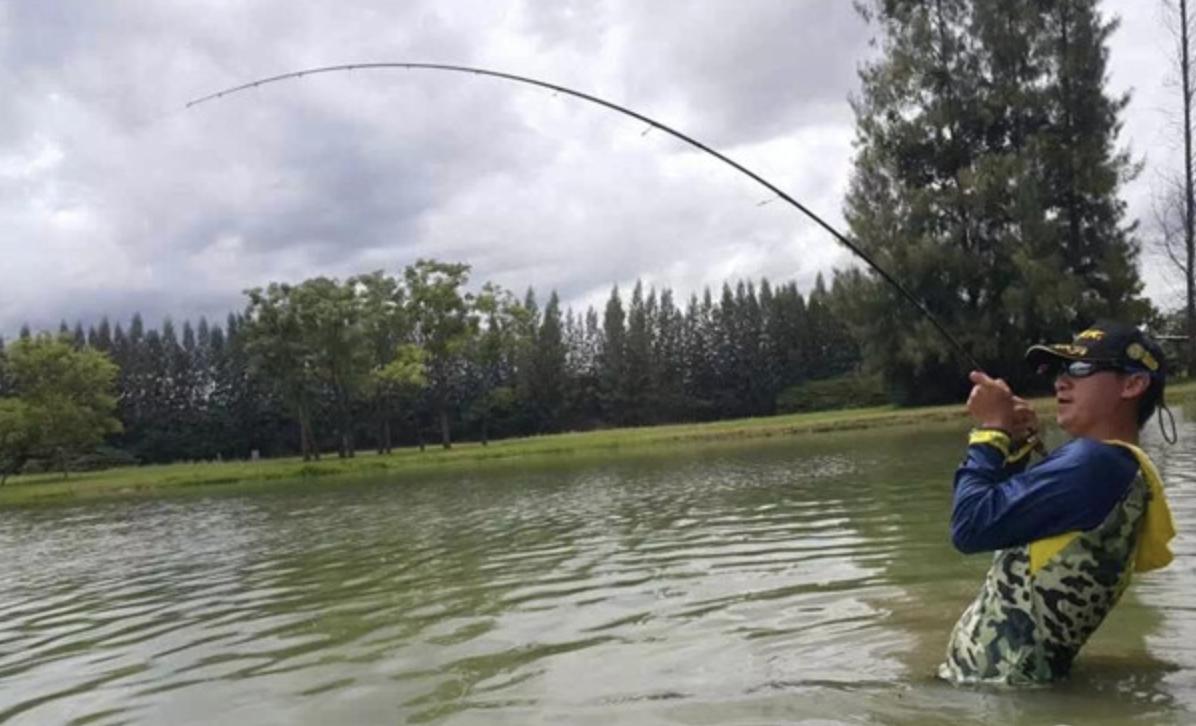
x=1091, y=334
x=1076, y=351
x=1136, y=352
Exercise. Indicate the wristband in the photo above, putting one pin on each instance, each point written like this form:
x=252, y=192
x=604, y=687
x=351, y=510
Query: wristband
x=995, y=438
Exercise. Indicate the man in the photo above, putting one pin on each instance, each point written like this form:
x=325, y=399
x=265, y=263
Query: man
x=1069, y=531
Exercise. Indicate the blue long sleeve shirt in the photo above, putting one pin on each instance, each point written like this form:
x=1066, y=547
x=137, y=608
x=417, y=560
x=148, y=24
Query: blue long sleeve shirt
x=997, y=506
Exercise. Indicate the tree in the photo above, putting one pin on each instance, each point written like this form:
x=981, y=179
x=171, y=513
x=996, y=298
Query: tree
x=401, y=381
x=1082, y=167
x=16, y=437
x=386, y=330
x=986, y=180
x=583, y=335
x=787, y=330
x=727, y=364
x=65, y=402
x=636, y=379
x=495, y=353
x=248, y=407
x=611, y=359
x=278, y=350
x=1176, y=206
x=668, y=364
x=330, y=321
x=548, y=368
x=6, y=384
x=524, y=333
x=700, y=346
x=443, y=325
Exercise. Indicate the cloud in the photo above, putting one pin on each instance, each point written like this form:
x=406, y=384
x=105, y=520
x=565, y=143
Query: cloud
x=766, y=70
x=114, y=199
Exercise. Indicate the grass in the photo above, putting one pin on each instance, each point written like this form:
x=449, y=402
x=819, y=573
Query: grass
x=155, y=479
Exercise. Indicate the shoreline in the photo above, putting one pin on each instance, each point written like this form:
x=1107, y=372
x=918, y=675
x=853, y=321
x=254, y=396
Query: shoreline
x=155, y=479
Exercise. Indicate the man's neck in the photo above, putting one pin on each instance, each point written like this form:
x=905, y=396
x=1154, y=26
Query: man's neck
x=1128, y=434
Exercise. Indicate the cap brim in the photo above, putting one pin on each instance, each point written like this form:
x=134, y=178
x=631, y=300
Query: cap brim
x=1036, y=355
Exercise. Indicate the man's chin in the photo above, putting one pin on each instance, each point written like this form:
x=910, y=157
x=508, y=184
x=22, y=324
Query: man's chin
x=1064, y=422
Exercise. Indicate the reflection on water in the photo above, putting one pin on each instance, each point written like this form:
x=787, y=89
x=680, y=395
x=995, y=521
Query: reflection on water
x=781, y=581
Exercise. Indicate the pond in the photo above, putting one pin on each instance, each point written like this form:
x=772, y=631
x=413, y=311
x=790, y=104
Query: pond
x=806, y=580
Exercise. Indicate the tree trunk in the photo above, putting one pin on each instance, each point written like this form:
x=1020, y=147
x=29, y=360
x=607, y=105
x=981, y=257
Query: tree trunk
x=345, y=425
x=17, y=462
x=303, y=440
x=310, y=451
x=1189, y=219
x=445, y=439
x=1073, y=216
x=485, y=430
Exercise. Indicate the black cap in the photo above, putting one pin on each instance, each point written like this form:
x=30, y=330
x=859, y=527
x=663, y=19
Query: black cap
x=1110, y=343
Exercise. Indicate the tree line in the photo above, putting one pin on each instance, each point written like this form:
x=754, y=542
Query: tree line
x=328, y=365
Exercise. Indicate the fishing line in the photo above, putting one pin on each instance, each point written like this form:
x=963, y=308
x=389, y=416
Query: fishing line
x=652, y=123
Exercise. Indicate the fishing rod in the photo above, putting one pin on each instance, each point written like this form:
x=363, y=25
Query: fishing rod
x=963, y=352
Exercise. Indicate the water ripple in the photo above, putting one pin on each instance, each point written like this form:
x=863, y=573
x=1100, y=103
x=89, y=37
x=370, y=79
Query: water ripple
x=636, y=590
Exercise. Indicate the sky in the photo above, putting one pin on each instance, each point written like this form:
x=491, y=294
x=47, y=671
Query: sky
x=115, y=199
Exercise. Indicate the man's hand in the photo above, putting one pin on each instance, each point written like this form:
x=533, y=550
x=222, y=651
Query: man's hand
x=1025, y=420
x=991, y=403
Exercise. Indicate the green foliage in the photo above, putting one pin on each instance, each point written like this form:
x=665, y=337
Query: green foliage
x=501, y=348
x=16, y=436
x=444, y=324
x=64, y=403
x=547, y=369
x=321, y=364
x=408, y=369
x=612, y=360
x=850, y=391
x=636, y=371
x=280, y=350
x=986, y=180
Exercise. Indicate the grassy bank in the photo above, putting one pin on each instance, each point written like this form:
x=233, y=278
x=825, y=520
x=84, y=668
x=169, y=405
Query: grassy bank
x=164, y=478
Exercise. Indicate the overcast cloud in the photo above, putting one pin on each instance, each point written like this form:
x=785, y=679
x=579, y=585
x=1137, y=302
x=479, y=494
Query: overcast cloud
x=114, y=200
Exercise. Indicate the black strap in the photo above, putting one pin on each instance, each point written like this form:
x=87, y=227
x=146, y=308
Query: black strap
x=1163, y=428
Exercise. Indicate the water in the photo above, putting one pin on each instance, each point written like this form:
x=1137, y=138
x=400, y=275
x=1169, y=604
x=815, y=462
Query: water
x=805, y=581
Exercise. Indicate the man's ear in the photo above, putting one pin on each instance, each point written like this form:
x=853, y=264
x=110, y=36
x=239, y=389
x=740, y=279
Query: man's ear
x=1135, y=385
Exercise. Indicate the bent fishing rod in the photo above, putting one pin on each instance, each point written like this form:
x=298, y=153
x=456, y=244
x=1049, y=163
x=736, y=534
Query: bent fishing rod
x=855, y=248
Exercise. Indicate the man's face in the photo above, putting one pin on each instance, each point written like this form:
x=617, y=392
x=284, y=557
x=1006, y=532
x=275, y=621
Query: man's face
x=1087, y=404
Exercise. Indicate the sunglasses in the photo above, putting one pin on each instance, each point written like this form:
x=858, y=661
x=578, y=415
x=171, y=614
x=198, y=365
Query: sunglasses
x=1078, y=368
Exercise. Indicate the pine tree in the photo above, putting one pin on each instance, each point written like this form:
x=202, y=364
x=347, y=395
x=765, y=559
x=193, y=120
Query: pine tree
x=637, y=361
x=548, y=366
x=668, y=363
x=7, y=387
x=986, y=180
x=526, y=330
x=583, y=399
x=701, y=343
x=612, y=360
